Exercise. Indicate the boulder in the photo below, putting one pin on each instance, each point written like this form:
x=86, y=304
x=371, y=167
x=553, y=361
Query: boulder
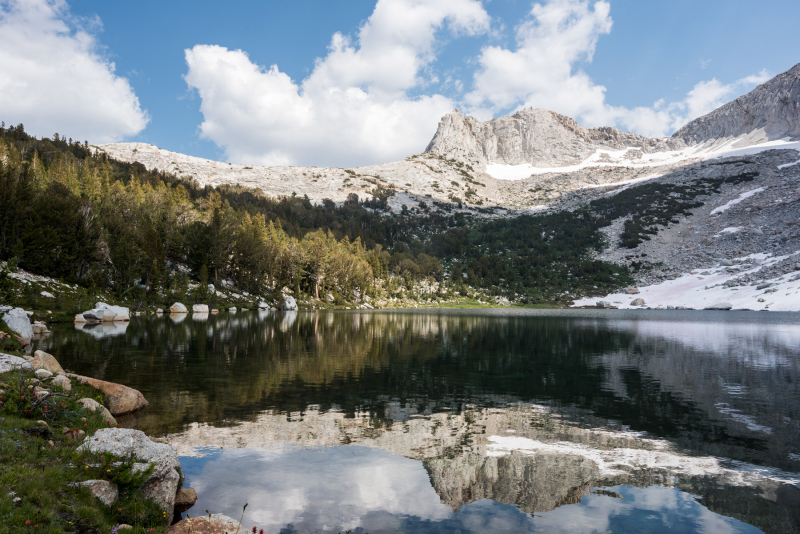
x=159, y=310
x=39, y=328
x=603, y=304
x=19, y=323
x=162, y=485
x=99, y=315
x=218, y=524
x=185, y=499
x=178, y=308
x=93, y=405
x=263, y=305
x=289, y=304
x=232, y=309
x=719, y=306
x=121, y=399
x=79, y=318
x=41, y=374
x=200, y=308
x=121, y=313
x=632, y=291
x=637, y=302
x=9, y=363
x=62, y=382
x=104, y=490
x=42, y=360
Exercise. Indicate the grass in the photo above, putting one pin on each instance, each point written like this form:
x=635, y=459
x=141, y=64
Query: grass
x=38, y=464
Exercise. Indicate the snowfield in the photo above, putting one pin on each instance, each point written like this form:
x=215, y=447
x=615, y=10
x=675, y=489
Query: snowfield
x=622, y=158
x=698, y=292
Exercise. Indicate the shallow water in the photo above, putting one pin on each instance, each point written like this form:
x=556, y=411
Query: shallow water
x=470, y=421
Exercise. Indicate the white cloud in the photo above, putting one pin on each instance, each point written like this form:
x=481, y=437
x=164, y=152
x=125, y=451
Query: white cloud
x=353, y=109
x=542, y=72
x=55, y=78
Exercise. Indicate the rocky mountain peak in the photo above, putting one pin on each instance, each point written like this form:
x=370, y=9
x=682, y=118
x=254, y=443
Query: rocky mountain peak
x=535, y=136
x=769, y=112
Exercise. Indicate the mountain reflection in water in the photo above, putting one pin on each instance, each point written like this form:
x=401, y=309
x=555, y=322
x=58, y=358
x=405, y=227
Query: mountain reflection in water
x=498, y=415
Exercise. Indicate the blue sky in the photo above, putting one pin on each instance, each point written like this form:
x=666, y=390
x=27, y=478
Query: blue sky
x=488, y=58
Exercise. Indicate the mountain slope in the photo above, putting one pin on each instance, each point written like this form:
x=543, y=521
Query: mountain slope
x=769, y=112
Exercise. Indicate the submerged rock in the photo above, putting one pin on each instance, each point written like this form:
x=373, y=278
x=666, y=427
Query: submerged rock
x=162, y=485
x=218, y=524
x=121, y=399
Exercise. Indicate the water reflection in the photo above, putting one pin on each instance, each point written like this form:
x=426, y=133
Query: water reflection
x=521, y=408
x=101, y=330
x=367, y=490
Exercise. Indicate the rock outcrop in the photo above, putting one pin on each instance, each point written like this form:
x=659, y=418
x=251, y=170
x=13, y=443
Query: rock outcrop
x=9, y=363
x=121, y=399
x=536, y=136
x=163, y=484
x=769, y=112
x=18, y=322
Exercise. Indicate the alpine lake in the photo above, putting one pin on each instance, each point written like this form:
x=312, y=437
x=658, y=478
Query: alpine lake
x=462, y=421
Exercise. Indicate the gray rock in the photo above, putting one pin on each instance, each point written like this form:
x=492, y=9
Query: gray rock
x=719, y=306
x=120, y=313
x=63, y=382
x=163, y=483
x=104, y=490
x=19, y=323
x=604, y=304
x=289, y=304
x=632, y=291
x=9, y=363
x=99, y=315
x=763, y=286
x=178, y=308
x=41, y=374
x=93, y=405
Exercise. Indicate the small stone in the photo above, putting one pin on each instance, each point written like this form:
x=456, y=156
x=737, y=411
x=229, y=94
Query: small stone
x=41, y=374
x=632, y=291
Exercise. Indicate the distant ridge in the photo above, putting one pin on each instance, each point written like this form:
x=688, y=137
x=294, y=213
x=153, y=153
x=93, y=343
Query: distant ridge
x=769, y=112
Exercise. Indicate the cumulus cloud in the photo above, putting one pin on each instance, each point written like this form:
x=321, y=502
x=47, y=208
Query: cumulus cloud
x=354, y=108
x=56, y=79
x=543, y=71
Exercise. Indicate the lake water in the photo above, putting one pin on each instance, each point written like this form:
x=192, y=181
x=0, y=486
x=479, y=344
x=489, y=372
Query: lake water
x=470, y=421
